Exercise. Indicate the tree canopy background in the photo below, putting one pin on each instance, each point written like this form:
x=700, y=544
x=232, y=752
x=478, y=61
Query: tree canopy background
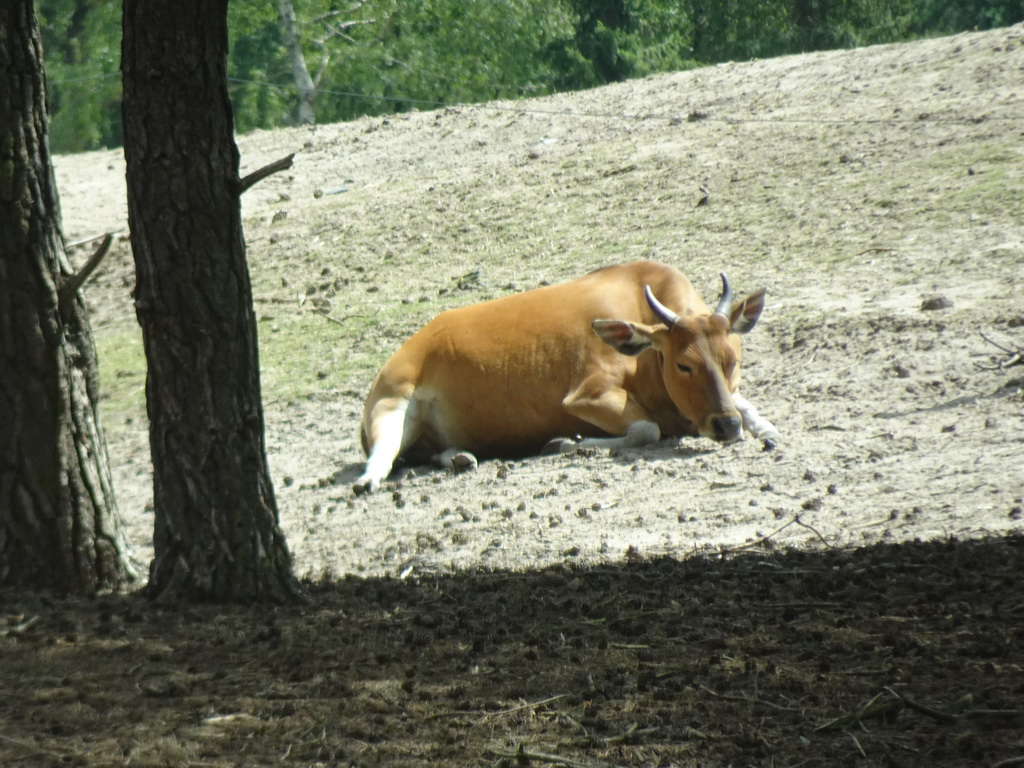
x=377, y=56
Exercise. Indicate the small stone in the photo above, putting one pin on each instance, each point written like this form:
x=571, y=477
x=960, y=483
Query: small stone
x=935, y=302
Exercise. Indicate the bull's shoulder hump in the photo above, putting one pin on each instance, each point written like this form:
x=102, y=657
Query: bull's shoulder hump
x=642, y=272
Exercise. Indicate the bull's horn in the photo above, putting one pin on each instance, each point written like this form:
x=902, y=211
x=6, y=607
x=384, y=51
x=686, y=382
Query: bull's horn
x=666, y=315
x=725, y=303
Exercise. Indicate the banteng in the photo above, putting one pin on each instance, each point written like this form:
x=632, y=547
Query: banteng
x=621, y=357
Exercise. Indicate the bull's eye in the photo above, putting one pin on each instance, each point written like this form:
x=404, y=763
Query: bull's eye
x=685, y=369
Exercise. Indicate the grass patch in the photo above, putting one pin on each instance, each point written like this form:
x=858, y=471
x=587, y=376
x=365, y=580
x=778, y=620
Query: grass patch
x=301, y=354
x=122, y=364
x=995, y=192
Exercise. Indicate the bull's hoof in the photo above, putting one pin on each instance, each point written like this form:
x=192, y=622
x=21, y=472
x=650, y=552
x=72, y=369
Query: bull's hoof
x=463, y=462
x=559, y=445
x=456, y=460
x=769, y=444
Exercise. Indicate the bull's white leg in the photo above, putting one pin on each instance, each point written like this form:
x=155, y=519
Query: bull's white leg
x=387, y=430
x=759, y=427
x=456, y=460
x=638, y=433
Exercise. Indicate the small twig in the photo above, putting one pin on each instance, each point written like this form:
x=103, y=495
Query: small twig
x=996, y=344
x=521, y=707
x=92, y=239
x=499, y=713
x=66, y=293
x=876, y=250
x=857, y=745
x=1015, y=356
x=813, y=530
x=17, y=629
x=747, y=700
x=334, y=320
x=1009, y=762
x=758, y=542
x=631, y=733
x=1013, y=359
x=341, y=320
x=887, y=519
x=942, y=717
x=259, y=175
x=874, y=709
x=982, y=714
x=630, y=730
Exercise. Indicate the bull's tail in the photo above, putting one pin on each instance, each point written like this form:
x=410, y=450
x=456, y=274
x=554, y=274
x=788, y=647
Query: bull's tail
x=382, y=436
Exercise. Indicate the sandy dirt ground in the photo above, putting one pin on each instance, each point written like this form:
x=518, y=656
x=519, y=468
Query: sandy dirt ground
x=849, y=598
x=876, y=193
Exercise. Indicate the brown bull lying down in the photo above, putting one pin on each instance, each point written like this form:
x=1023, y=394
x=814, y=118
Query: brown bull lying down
x=516, y=376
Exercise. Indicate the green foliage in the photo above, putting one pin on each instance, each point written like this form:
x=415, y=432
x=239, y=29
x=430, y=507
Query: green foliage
x=379, y=56
x=256, y=61
x=619, y=39
x=434, y=52
x=929, y=17
x=82, y=49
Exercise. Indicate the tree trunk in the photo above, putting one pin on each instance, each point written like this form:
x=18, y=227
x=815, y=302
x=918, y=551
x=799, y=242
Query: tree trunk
x=59, y=528
x=300, y=72
x=217, y=534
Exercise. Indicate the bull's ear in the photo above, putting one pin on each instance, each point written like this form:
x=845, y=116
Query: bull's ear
x=625, y=337
x=746, y=313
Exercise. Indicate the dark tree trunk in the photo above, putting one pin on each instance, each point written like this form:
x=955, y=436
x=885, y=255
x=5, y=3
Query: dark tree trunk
x=59, y=529
x=217, y=534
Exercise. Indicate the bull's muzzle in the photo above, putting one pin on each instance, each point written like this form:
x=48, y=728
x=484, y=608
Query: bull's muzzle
x=726, y=429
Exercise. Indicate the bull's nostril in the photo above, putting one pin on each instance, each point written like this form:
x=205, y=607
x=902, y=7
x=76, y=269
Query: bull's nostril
x=727, y=428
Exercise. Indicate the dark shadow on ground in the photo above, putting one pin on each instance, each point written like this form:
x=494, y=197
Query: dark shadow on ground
x=674, y=449
x=893, y=655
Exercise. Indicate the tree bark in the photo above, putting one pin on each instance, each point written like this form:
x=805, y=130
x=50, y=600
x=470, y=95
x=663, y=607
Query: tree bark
x=306, y=114
x=216, y=534
x=59, y=528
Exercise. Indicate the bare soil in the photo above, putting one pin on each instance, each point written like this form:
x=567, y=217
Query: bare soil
x=850, y=598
